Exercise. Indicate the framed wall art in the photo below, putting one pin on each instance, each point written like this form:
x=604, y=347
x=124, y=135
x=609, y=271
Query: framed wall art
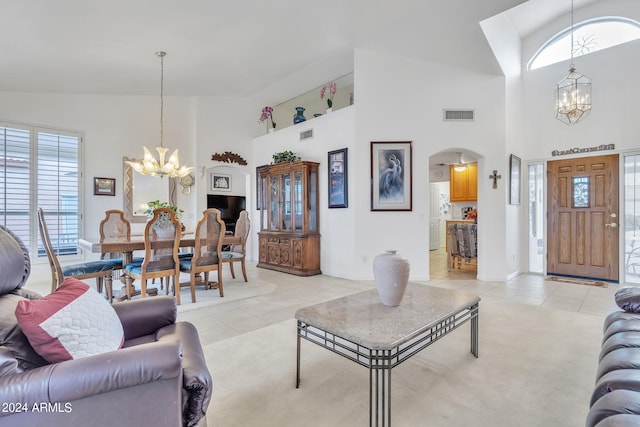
x=220, y=182
x=338, y=181
x=104, y=186
x=391, y=176
x=515, y=166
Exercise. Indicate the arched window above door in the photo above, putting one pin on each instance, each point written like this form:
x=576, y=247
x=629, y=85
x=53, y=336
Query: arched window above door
x=588, y=36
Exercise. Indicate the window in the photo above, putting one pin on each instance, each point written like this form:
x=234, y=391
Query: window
x=40, y=168
x=632, y=218
x=536, y=218
x=588, y=37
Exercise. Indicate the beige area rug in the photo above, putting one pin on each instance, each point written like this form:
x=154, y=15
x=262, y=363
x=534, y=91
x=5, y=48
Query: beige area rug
x=578, y=281
x=536, y=368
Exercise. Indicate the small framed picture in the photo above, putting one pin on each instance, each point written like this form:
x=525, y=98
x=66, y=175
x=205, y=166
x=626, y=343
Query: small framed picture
x=104, y=186
x=338, y=188
x=514, y=178
x=220, y=182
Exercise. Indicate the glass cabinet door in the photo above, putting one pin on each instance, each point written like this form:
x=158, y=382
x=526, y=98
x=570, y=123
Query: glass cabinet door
x=264, y=216
x=313, y=201
x=274, y=200
x=298, y=200
x=286, y=207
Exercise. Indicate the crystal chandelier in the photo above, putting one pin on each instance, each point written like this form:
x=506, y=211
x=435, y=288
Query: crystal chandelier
x=573, y=93
x=149, y=165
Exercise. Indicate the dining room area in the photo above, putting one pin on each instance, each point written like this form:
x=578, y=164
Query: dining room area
x=143, y=248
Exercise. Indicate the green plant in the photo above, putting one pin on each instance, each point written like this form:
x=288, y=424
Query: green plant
x=285, y=156
x=153, y=205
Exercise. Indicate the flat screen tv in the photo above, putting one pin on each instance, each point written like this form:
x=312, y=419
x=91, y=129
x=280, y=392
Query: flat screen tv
x=229, y=206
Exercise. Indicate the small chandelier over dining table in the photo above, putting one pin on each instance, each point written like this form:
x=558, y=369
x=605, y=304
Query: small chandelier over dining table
x=149, y=165
x=573, y=93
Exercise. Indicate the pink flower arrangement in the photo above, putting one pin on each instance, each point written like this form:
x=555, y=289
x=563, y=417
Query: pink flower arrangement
x=472, y=214
x=267, y=114
x=333, y=87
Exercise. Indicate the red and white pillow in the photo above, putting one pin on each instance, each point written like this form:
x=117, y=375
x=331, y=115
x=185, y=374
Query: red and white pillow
x=70, y=323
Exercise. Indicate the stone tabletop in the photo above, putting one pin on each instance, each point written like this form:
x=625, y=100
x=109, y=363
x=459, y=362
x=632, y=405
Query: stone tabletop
x=363, y=319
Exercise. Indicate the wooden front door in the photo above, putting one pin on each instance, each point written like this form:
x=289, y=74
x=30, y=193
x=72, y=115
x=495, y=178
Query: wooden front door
x=582, y=226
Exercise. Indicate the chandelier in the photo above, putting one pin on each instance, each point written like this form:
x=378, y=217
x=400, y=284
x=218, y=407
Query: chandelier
x=149, y=165
x=573, y=93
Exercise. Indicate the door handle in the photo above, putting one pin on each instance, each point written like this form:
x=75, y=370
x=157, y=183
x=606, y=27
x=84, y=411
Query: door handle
x=612, y=225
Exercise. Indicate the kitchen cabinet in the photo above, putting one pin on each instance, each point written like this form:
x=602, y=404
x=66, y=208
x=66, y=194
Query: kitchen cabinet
x=463, y=185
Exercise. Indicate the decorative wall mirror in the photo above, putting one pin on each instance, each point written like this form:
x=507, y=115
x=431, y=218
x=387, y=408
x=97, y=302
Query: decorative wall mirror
x=141, y=189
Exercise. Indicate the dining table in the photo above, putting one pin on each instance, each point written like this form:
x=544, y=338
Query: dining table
x=127, y=246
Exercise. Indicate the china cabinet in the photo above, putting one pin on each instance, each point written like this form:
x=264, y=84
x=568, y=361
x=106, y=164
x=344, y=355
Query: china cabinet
x=289, y=236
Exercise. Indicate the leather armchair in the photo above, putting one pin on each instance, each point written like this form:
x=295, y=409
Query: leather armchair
x=158, y=378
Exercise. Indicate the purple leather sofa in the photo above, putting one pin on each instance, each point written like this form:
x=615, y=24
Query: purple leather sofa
x=158, y=378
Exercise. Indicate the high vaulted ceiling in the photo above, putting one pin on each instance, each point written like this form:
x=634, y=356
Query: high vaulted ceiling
x=234, y=48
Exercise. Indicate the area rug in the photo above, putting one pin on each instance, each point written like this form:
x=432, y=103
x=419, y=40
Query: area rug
x=536, y=367
x=578, y=281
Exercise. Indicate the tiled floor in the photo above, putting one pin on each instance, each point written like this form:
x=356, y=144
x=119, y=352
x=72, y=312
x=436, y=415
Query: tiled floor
x=261, y=311
x=529, y=289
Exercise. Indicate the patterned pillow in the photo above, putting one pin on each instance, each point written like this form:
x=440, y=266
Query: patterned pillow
x=72, y=322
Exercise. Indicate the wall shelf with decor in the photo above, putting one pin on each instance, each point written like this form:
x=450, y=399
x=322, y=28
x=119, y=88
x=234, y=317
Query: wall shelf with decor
x=282, y=114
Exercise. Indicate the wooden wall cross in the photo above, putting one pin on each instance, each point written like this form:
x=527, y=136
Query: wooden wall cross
x=495, y=177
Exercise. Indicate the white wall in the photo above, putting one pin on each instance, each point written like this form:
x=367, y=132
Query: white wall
x=400, y=99
x=113, y=126
x=615, y=90
x=223, y=124
x=337, y=232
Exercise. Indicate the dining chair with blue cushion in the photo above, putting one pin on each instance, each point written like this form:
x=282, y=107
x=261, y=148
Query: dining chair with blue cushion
x=206, y=255
x=114, y=228
x=161, y=243
x=99, y=270
x=237, y=252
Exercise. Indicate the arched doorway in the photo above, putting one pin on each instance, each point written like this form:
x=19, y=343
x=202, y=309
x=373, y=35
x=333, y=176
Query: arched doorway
x=453, y=201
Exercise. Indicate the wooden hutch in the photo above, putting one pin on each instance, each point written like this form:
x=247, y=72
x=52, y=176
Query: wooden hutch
x=289, y=237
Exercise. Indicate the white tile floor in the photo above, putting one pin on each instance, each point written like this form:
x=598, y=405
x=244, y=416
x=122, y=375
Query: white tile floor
x=270, y=298
x=529, y=289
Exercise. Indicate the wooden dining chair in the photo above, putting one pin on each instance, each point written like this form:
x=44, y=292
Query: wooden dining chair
x=207, y=253
x=237, y=252
x=115, y=227
x=98, y=270
x=161, y=242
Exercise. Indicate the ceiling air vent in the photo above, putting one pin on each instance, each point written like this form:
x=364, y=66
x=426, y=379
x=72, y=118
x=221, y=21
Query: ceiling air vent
x=459, y=115
x=306, y=134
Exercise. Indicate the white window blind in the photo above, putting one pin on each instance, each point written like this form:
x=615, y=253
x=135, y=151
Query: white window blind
x=40, y=168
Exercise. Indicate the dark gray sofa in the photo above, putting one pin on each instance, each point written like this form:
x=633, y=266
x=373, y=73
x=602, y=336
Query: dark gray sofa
x=615, y=401
x=158, y=378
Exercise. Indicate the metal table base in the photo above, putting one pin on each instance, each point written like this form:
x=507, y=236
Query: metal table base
x=381, y=361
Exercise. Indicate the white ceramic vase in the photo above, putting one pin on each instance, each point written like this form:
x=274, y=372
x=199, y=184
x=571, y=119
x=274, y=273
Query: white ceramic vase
x=391, y=274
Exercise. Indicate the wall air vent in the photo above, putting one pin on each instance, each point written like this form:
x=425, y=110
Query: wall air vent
x=459, y=115
x=306, y=134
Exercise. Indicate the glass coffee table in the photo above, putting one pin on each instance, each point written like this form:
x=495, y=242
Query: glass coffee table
x=362, y=329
